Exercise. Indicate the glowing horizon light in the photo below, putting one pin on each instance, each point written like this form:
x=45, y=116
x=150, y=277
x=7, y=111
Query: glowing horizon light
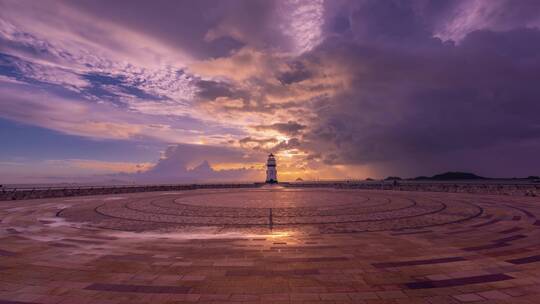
x=90, y=94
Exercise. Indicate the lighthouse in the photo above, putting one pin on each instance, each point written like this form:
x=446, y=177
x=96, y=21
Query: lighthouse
x=271, y=172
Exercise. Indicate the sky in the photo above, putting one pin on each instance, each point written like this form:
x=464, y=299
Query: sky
x=201, y=91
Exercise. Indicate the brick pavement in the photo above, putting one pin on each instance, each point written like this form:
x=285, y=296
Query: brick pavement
x=271, y=245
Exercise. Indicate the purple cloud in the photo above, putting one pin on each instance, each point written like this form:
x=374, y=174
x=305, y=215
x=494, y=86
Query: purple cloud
x=394, y=87
x=189, y=163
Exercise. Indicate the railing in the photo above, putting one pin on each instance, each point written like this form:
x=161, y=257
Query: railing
x=498, y=188
x=23, y=193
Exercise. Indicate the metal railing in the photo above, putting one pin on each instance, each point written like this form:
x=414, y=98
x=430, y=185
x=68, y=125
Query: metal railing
x=22, y=193
x=499, y=188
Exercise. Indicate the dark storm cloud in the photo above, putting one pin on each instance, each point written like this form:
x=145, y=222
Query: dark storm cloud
x=212, y=89
x=412, y=96
x=403, y=21
x=386, y=21
x=292, y=143
x=204, y=28
x=403, y=87
x=460, y=97
x=287, y=128
x=297, y=73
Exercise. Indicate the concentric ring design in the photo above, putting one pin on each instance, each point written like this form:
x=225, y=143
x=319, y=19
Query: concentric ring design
x=354, y=210
x=272, y=245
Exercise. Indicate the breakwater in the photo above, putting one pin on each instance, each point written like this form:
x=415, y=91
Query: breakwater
x=22, y=193
x=495, y=188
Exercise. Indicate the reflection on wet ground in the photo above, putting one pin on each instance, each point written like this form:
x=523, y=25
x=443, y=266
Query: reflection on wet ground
x=271, y=245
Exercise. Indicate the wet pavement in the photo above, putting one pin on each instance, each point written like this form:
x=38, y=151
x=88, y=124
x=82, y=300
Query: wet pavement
x=271, y=245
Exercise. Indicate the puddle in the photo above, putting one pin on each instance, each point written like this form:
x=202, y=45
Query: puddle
x=113, y=198
x=199, y=233
x=56, y=222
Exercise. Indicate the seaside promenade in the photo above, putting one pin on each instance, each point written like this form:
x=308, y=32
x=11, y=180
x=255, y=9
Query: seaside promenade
x=271, y=244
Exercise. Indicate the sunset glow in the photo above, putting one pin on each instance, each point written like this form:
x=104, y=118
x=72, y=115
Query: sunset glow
x=181, y=91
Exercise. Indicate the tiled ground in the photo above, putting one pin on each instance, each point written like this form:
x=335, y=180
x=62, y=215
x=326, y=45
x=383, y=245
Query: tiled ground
x=271, y=245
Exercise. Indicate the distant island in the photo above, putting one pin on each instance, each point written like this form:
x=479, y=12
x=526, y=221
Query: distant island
x=451, y=176
x=440, y=177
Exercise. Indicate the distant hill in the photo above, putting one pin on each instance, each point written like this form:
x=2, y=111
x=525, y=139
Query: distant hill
x=451, y=176
x=393, y=178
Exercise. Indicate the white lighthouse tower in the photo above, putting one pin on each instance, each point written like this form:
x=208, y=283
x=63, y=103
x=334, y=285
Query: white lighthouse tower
x=271, y=172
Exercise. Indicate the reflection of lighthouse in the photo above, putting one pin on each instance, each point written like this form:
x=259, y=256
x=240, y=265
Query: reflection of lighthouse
x=271, y=172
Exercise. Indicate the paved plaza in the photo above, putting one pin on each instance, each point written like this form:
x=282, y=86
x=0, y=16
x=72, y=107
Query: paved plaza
x=271, y=245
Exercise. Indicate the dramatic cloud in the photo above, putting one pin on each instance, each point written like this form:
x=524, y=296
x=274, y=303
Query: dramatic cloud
x=336, y=89
x=289, y=128
x=420, y=98
x=185, y=163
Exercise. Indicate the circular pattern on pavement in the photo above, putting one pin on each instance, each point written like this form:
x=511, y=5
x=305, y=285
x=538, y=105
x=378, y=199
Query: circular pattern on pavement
x=358, y=211
x=271, y=245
